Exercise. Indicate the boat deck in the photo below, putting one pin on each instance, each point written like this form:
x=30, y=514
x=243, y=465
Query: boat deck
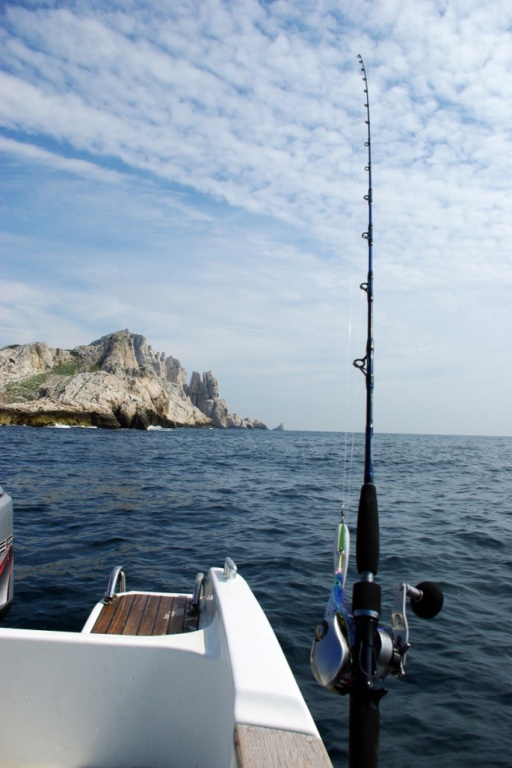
x=272, y=748
x=146, y=614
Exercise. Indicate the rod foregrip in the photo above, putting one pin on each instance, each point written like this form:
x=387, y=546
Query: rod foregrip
x=367, y=542
x=364, y=735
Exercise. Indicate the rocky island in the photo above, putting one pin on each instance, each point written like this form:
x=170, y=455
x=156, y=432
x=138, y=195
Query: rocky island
x=116, y=381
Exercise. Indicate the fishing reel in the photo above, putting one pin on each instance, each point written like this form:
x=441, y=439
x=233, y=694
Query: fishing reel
x=331, y=652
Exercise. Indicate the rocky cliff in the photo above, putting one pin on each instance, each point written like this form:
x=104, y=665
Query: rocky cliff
x=204, y=394
x=117, y=381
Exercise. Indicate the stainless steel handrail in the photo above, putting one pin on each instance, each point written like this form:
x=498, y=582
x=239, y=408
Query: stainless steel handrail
x=198, y=590
x=116, y=575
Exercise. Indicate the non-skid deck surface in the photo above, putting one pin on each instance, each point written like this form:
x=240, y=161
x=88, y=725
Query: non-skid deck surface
x=143, y=614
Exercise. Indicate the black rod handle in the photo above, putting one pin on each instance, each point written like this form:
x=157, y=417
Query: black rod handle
x=364, y=697
x=367, y=542
x=363, y=742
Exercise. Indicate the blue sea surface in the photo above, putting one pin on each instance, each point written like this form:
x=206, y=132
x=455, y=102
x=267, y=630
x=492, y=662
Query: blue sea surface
x=168, y=503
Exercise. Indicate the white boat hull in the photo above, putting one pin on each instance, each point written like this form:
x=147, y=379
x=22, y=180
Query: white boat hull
x=85, y=699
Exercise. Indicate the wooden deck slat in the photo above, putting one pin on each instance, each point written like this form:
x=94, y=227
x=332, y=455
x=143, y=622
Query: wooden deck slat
x=123, y=608
x=161, y=625
x=147, y=623
x=258, y=747
x=177, y=618
x=133, y=620
x=146, y=614
x=104, y=620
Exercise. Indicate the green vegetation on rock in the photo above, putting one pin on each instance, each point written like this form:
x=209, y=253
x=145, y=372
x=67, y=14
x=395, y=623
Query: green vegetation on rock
x=26, y=388
x=65, y=369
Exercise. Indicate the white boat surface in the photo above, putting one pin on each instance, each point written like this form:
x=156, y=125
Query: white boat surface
x=218, y=693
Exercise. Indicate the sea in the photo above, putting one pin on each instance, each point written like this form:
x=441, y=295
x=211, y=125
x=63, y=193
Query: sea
x=166, y=504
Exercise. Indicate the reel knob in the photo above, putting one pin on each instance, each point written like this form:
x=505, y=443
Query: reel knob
x=430, y=602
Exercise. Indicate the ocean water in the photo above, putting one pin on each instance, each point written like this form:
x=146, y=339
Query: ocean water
x=167, y=504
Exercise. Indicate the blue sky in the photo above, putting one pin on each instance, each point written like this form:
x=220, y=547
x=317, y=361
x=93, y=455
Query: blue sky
x=194, y=171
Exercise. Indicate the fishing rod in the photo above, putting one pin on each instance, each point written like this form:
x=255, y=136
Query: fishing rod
x=351, y=654
x=366, y=596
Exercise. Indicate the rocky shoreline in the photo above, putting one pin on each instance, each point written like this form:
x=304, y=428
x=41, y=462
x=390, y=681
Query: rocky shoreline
x=115, y=382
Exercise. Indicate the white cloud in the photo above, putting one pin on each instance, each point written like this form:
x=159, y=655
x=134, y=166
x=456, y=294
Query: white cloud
x=31, y=153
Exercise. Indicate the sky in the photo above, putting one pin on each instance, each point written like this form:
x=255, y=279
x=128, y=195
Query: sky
x=194, y=170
